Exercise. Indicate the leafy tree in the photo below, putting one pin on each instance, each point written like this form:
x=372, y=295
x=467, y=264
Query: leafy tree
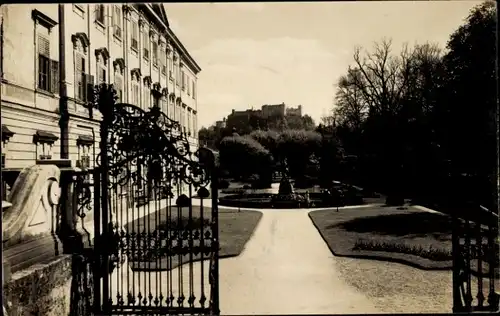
x=212, y=136
x=297, y=146
x=469, y=102
x=268, y=139
x=237, y=151
x=330, y=154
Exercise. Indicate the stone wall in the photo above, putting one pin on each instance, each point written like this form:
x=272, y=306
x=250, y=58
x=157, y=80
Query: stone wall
x=43, y=289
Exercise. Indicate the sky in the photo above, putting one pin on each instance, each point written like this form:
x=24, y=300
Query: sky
x=268, y=53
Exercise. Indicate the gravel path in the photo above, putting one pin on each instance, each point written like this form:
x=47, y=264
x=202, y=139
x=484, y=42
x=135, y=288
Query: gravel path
x=397, y=288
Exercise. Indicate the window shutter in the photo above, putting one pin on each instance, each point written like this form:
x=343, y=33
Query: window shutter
x=89, y=88
x=101, y=74
x=54, y=76
x=84, y=86
x=118, y=82
x=145, y=43
x=43, y=46
x=189, y=121
x=134, y=93
x=97, y=12
x=137, y=95
x=118, y=87
x=79, y=64
x=155, y=56
x=116, y=15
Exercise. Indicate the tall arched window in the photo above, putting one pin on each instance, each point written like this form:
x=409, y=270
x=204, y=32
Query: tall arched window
x=99, y=13
x=82, y=78
x=102, y=56
x=146, y=90
x=135, y=76
x=164, y=101
x=171, y=106
x=119, y=68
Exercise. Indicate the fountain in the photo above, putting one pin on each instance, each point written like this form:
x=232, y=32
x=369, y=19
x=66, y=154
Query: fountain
x=286, y=197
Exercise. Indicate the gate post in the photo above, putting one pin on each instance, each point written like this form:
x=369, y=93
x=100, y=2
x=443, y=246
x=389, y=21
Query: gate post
x=106, y=102
x=97, y=232
x=456, y=264
x=214, y=181
x=104, y=208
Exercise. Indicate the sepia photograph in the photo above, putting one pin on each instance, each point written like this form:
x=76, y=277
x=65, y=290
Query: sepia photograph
x=250, y=158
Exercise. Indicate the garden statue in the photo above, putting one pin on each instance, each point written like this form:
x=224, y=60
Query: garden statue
x=285, y=187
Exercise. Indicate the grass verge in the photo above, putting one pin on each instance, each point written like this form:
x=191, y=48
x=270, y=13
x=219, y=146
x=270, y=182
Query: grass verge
x=235, y=230
x=412, y=237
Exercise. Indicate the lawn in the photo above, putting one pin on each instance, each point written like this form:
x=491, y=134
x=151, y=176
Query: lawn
x=411, y=236
x=235, y=229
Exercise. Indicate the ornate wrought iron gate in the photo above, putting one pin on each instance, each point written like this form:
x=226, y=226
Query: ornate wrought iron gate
x=155, y=217
x=475, y=262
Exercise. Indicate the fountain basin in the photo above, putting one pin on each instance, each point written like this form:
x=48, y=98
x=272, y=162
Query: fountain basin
x=294, y=200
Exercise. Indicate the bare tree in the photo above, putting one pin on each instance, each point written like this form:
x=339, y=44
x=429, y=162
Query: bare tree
x=382, y=83
x=351, y=108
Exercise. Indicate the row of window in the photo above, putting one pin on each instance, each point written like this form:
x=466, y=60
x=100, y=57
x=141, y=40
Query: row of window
x=48, y=73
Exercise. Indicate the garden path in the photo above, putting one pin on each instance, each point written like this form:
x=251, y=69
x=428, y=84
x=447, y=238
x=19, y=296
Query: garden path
x=287, y=268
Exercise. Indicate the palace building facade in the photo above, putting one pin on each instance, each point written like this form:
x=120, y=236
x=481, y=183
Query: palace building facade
x=52, y=55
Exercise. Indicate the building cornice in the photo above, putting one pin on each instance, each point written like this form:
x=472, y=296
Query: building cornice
x=85, y=140
x=42, y=19
x=120, y=63
x=147, y=80
x=84, y=39
x=103, y=51
x=44, y=137
x=157, y=87
x=136, y=72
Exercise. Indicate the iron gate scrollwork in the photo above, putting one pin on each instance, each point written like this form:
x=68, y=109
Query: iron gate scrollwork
x=159, y=241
